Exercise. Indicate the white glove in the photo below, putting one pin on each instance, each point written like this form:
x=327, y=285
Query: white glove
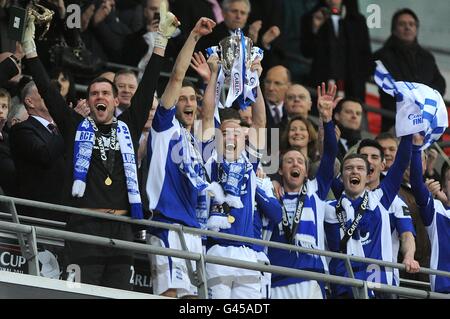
x=233, y=201
x=168, y=24
x=216, y=191
x=28, y=44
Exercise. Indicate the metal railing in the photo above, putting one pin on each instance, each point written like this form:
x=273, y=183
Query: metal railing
x=27, y=236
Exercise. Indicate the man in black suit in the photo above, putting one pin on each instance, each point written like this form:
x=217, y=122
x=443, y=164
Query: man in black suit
x=235, y=14
x=38, y=152
x=276, y=83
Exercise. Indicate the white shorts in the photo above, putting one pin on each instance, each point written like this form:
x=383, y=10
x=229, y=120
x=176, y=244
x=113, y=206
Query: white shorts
x=303, y=290
x=266, y=277
x=171, y=272
x=226, y=282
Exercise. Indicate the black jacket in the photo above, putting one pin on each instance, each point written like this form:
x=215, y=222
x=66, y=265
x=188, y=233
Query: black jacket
x=67, y=120
x=407, y=63
x=8, y=179
x=349, y=54
x=40, y=164
x=8, y=70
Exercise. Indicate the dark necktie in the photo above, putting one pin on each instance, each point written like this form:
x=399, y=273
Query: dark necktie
x=53, y=128
x=277, y=118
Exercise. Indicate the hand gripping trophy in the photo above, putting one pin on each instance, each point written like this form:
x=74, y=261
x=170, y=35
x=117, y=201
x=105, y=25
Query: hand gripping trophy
x=236, y=54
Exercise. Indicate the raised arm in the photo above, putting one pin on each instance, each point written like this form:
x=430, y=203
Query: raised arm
x=55, y=103
x=203, y=27
x=391, y=183
x=143, y=98
x=257, y=135
x=209, y=100
x=326, y=102
x=423, y=197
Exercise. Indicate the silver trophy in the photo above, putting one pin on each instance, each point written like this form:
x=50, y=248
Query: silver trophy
x=230, y=49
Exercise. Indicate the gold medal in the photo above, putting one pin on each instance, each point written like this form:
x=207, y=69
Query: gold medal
x=231, y=219
x=108, y=181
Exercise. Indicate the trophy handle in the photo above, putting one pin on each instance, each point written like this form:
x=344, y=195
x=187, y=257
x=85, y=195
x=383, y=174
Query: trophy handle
x=43, y=16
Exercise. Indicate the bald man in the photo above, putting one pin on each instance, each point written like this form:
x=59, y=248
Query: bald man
x=276, y=83
x=297, y=101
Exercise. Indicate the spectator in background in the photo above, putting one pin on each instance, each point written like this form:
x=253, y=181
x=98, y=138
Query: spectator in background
x=266, y=19
x=104, y=32
x=143, y=40
x=301, y=134
x=127, y=84
x=276, y=83
x=390, y=145
x=67, y=83
x=291, y=34
x=297, y=101
x=336, y=37
x=348, y=116
x=8, y=181
x=406, y=60
x=235, y=14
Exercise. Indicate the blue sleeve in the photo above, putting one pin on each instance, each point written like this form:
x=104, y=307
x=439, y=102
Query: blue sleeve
x=423, y=197
x=269, y=206
x=418, y=187
x=337, y=186
x=403, y=225
x=325, y=172
x=163, y=118
x=391, y=183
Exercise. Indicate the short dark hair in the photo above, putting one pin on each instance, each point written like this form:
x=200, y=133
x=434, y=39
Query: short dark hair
x=398, y=13
x=353, y=156
x=367, y=142
x=229, y=114
x=339, y=106
x=103, y=80
x=386, y=136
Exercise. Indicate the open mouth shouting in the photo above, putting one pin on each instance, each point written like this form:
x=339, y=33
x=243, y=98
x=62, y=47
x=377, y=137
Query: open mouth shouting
x=230, y=147
x=100, y=107
x=295, y=173
x=355, y=181
x=189, y=114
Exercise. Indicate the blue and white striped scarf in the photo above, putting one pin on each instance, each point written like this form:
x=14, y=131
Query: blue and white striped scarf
x=420, y=109
x=82, y=155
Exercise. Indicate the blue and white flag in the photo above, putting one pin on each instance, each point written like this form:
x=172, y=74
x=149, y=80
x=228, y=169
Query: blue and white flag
x=420, y=109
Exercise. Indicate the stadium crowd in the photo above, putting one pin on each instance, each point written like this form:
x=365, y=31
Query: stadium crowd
x=295, y=166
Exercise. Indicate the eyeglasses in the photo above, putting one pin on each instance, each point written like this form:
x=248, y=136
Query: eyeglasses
x=293, y=97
